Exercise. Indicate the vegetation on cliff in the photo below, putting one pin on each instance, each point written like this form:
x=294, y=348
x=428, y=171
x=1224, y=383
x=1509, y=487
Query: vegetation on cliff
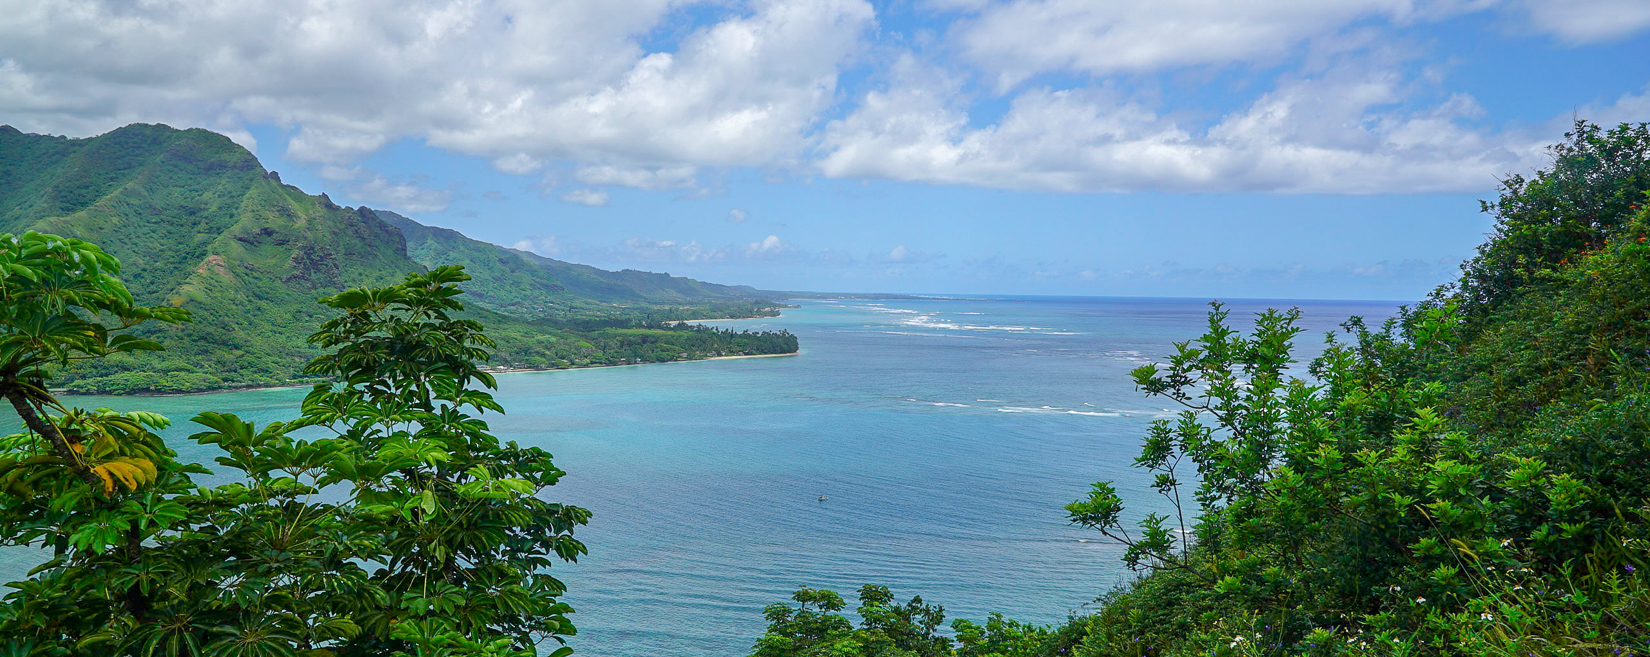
x=198, y=224
x=1472, y=477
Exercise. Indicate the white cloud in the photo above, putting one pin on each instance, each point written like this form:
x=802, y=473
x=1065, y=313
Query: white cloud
x=1342, y=132
x=374, y=189
x=1017, y=39
x=768, y=247
x=516, y=81
x=899, y=255
x=669, y=251
x=737, y=216
x=331, y=145
x=592, y=197
x=1628, y=108
x=544, y=245
x=1587, y=21
x=571, y=88
x=649, y=178
x=519, y=164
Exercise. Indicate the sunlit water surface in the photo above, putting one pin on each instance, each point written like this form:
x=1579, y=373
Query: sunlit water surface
x=947, y=434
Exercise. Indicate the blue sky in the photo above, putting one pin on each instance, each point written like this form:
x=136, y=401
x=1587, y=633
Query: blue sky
x=1235, y=148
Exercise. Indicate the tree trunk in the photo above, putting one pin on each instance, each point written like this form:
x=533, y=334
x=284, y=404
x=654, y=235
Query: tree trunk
x=137, y=603
x=39, y=425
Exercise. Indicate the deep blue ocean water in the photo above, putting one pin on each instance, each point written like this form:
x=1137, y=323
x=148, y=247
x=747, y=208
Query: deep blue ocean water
x=947, y=435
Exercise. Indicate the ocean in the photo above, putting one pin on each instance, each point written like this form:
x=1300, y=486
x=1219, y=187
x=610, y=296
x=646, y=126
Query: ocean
x=946, y=435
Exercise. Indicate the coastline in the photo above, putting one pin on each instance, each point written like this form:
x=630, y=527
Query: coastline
x=727, y=319
x=524, y=370
x=502, y=370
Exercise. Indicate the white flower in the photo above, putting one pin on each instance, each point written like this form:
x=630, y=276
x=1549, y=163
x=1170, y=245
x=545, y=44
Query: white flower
x=1420, y=600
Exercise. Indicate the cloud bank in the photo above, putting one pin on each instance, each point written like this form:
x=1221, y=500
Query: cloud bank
x=652, y=94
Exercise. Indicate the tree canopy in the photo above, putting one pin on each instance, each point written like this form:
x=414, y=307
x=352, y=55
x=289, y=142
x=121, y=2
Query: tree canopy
x=384, y=520
x=1471, y=477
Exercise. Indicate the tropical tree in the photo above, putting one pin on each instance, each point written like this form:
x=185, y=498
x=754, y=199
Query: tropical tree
x=452, y=516
x=61, y=300
x=383, y=521
x=1597, y=180
x=813, y=628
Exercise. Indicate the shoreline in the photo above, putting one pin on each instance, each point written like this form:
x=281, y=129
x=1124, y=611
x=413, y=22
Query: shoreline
x=505, y=370
x=526, y=370
x=730, y=319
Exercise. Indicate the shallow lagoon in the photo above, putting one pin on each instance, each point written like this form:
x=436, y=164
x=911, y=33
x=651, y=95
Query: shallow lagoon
x=946, y=434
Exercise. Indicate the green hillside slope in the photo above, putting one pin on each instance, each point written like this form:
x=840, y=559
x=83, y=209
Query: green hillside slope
x=199, y=223
x=529, y=285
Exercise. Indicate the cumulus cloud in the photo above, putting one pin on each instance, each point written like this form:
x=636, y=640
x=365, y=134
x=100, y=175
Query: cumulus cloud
x=769, y=250
x=1017, y=39
x=768, y=247
x=403, y=197
x=638, y=249
x=649, y=178
x=515, y=81
x=899, y=255
x=375, y=189
x=592, y=197
x=1587, y=21
x=519, y=164
x=579, y=88
x=544, y=245
x=1345, y=131
x=1021, y=38
x=737, y=216
x=331, y=145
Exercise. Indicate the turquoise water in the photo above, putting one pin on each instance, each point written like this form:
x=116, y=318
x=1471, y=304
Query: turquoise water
x=947, y=435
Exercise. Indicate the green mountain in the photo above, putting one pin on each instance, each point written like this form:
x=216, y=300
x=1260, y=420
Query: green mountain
x=198, y=223
x=526, y=284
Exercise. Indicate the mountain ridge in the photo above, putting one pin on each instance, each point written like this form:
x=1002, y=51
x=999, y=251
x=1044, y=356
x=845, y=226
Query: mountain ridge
x=199, y=223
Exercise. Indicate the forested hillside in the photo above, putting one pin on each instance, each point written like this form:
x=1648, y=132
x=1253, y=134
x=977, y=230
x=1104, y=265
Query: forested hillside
x=199, y=224
x=530, y=285
x=1470, y=478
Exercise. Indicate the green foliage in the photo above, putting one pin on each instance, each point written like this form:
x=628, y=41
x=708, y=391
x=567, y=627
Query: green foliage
x=1472, y=477
x=1598, y=179
x=1468, y=479
x=200, y=225
x=593, y=344
x=813, y=628
x=385, y=520
x=56, y=295
x=525, y=284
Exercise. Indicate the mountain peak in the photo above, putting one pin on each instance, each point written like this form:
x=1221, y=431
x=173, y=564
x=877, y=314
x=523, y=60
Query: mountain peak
x=197, y=222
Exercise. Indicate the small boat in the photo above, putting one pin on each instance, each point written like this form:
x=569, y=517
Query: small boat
x=822, y=498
